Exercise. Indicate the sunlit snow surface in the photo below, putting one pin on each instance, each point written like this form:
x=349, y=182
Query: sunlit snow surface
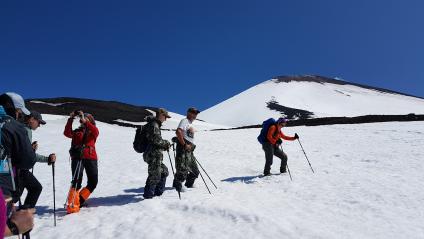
x=368, y=183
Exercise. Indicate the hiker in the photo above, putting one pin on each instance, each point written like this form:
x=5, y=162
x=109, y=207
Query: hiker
x=271, y=146
x=15, y=149
x=84, y=157
x=185, y=161
x=26, y=178
x=153, y=156
x=14, y=139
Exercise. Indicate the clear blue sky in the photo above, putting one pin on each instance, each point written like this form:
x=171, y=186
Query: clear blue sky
x=180, y=53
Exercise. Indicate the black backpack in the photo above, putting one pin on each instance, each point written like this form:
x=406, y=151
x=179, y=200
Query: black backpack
x=141, y=143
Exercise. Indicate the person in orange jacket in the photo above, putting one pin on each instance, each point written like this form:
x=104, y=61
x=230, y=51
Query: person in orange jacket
x=272, y=146
x=84, y=156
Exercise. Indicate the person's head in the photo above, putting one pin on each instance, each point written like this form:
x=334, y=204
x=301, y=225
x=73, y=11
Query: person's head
x=34, y=120
x=282, y=122
x=88, y=117
x=14, y=105
x=192, y=113
x=162, y=115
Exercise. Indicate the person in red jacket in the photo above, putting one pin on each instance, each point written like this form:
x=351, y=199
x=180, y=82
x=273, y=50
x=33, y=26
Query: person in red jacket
x=272, y=146
x=84, y=157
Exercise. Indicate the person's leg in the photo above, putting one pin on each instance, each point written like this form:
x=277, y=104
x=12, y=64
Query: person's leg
x=193, y=170
x=33, y=187
x=91, y=169
x=160, y=188
x=155, y=172
x=181, y=168
x=283, y=156
x=269, y=154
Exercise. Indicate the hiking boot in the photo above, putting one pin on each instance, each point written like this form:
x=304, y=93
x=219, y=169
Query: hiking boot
x=283, y=170
x=267, y=173
x=190, y=181
x=160, y=188
x=149, y=192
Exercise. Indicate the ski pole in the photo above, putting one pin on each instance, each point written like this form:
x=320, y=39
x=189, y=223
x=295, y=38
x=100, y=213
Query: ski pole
x=54, y=195
x=173, y=172
x=305, y=155
x=206, y=173
x=288, y=170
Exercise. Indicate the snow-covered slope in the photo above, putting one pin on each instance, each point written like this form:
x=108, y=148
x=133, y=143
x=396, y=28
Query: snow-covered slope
x=309, y=97
x=368, y=184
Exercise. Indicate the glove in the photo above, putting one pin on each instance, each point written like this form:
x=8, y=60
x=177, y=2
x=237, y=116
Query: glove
x=52, y=159
x=279, y=142
x=167, y=145
x=296, y=136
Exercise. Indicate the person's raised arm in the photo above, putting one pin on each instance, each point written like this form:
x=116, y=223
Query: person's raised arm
x=68, y=127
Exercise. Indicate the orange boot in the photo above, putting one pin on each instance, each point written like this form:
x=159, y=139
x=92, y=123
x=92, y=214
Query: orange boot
x=73, y=204
x=84, y=194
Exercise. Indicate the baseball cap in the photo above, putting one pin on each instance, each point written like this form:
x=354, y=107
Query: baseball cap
x=36, y=115
x=163, y=111
x=18, y=102
x=193, y=110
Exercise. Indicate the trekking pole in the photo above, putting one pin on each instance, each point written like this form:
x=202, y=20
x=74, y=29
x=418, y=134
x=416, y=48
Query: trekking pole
x=206, y=173
x=287, y=165
x=288, y=170
x=173, y=172
x=73, y=181
x=170, y=161
x=205, y=182
x=54, y=195
x=306, y=156
x=173, y=149
x=76, y=182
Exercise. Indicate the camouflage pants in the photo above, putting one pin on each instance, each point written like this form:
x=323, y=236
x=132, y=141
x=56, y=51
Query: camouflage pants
x=156, y=169
x=186, y=165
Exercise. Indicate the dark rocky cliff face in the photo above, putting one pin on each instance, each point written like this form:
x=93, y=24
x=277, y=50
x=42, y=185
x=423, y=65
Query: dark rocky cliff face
x=105, y=111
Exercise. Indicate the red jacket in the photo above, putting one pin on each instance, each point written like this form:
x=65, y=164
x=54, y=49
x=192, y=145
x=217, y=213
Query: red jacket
x=77, y=135
x=274, y=135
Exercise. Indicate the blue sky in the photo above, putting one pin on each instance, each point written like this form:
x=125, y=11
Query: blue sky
x=191, y=52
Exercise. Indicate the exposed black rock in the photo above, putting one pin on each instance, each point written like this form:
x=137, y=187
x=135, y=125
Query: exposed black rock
x=345, y=120
x=287, y=112
x=104, y=111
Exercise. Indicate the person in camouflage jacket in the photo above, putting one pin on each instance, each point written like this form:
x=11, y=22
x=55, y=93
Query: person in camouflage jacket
x=153, y=156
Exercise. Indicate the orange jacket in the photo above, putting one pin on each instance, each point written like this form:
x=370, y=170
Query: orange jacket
x=273, y=136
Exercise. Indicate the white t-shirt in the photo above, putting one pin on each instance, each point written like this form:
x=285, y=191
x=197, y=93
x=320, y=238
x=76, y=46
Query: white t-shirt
x=188, y=131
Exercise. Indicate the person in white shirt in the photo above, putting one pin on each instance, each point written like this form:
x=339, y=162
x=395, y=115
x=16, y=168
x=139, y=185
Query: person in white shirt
x=185, y=161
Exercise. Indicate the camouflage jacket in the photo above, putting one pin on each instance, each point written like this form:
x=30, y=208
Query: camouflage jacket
x=154, y=136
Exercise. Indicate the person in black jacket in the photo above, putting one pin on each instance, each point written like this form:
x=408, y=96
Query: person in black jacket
x=15, y=147
x=14, y=139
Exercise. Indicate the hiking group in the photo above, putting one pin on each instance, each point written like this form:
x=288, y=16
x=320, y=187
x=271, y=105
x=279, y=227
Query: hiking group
x=18, y=156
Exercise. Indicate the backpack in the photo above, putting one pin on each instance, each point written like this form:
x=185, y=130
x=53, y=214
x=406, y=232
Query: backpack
x=141, y=143
x=6, y=173
x=262, y=138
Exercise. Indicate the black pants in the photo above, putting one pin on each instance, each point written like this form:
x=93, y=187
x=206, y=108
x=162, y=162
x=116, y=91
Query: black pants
x=271, y=151
x=91, y=169
x=26, y=180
